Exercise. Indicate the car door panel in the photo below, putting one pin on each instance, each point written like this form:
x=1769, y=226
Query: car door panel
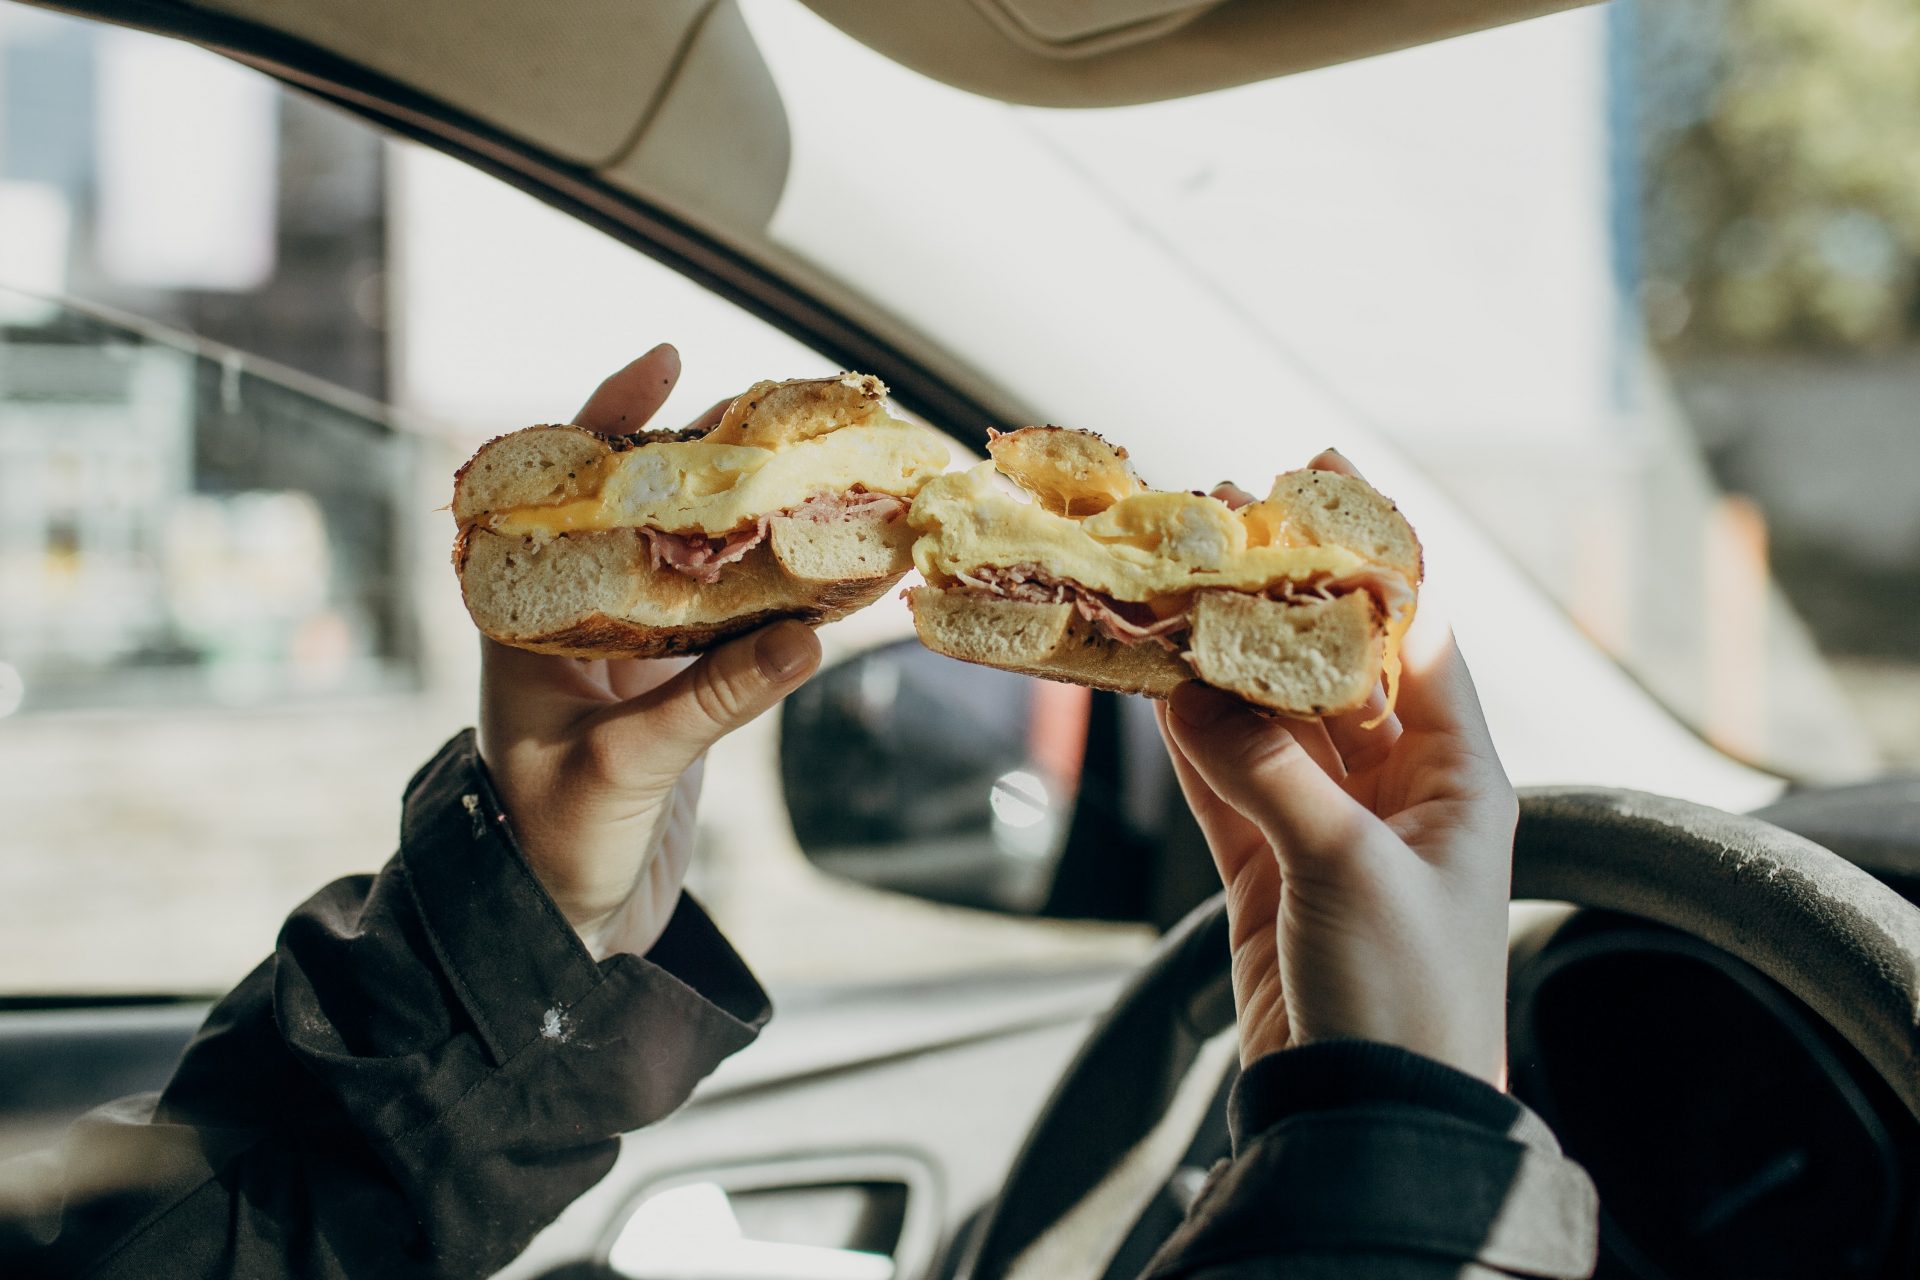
x=893, y=1109
x=925, y=1092
x=57, y=1063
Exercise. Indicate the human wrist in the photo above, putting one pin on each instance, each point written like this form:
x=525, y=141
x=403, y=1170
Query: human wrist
x=644, y=902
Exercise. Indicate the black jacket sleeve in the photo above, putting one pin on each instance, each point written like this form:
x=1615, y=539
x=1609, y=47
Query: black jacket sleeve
x=425, y=1072
x=1366, y=1162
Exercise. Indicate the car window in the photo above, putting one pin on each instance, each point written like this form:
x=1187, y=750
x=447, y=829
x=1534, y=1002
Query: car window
x=1587, y=320
x=244, y=341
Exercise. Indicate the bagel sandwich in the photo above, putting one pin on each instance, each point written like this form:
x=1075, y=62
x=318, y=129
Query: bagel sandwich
x=667, y=542
x=1077, y=571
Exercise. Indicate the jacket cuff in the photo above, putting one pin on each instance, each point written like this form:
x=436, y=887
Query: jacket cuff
x=514, y=962
x=1360, y=1150
x=1330, y=1074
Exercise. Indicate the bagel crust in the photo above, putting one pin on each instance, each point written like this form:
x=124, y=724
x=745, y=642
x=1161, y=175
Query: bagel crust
x=1305, y=658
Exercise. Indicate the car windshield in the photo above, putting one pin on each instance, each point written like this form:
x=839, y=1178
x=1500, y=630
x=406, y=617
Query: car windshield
x=1545, y=263
x=1639, y=404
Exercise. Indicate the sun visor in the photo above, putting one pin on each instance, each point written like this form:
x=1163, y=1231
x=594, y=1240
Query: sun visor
x=717, y=145
x=1077, y=29
x=1102, y=53
x=638, y=92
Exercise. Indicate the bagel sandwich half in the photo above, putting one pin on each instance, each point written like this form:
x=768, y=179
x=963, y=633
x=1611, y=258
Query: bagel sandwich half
x=1077, y=571
x=667, y=542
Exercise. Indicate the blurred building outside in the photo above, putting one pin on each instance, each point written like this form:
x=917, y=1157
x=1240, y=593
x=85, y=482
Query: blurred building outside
x=1462, y=274
x=1780, y=147
x=180, y=528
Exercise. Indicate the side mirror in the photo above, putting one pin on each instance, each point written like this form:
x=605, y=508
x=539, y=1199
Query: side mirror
x=908, y=771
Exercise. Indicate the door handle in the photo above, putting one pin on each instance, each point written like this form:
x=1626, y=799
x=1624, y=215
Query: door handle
x=690, y=1232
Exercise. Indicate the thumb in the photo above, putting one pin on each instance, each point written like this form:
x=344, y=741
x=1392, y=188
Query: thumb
x=654, y=738
x=1257, y=766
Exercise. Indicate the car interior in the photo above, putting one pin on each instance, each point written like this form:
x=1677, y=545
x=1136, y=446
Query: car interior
x=1717, y=1007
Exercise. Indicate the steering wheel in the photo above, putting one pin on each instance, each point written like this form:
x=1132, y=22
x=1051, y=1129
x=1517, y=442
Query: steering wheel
x=1844, y=943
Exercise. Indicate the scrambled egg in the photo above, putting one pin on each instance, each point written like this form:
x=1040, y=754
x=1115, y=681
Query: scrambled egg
x=1144, y=547
x=699, y=486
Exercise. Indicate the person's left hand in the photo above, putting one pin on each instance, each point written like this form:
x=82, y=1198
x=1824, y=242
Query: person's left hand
x=596, y=760
x=1366, y=870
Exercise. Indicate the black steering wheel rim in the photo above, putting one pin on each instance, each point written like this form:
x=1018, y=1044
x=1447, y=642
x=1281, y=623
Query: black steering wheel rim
x=1838, y=939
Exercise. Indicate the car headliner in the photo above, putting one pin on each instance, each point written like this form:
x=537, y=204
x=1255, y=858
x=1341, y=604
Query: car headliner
x=615, y=87
x=1104, y=53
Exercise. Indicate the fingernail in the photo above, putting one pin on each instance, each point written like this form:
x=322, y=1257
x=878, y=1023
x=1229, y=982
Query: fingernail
x=1199, y=705
x=783, y=651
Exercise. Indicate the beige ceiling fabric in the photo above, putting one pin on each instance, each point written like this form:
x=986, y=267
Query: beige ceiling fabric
x=577, y=77
x=716, y=147
x=1232, y=43
x=1077, y=29
x=667, y=99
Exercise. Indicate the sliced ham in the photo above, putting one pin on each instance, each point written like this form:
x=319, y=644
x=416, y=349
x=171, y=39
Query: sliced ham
x=702, y=558
x=855, y=505
x=1390, y=590
x=1125, y=621
x=1232, y=494
x=1029, y=584
x=1131, y=622
x=1107, y=615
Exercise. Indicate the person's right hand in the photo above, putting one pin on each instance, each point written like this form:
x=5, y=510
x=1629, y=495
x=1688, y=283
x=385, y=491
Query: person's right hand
x=1366, y=870
x=589, y=755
